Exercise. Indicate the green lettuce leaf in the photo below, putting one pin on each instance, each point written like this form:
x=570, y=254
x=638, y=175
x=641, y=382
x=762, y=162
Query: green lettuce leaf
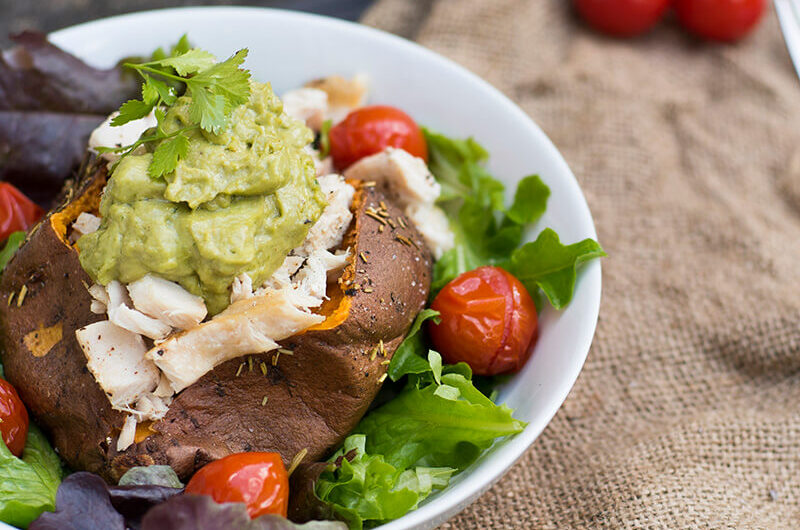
x=550, y=265
x=12, y=245
x=423, y=428
x=410, y=446
x=28, y=485
x=485, y=230
x=489, y=233
x=364, y=487
x=407, y=359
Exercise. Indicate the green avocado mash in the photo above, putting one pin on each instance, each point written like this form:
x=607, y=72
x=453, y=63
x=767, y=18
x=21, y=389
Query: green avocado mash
x=238, y=202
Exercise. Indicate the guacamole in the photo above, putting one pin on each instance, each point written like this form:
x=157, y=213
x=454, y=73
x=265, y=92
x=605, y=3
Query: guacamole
x=238, y=202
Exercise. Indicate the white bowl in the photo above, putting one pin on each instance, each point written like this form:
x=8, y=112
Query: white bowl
x=287, y=49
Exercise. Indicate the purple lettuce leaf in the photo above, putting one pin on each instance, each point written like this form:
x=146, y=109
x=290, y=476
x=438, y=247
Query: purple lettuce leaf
x=84, y=501
x=50, y=101
x=36, y=75
x=199, y=512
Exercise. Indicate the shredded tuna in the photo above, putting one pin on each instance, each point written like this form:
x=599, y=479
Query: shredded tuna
x=406, y=176
x=86, y=223
x=99, y=293
x=121, y=314
x=116, y=358
x=128, y=433
x=344, y=95
x=164, y=388
x=331, y=226
x=309, y=105
x=167, y=301
x=247, y=326
x=241, y=288
x=433, y=226
x=408, y=179
x=152, y=407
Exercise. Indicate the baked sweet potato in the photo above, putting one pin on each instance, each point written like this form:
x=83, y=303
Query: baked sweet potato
x=308, y=395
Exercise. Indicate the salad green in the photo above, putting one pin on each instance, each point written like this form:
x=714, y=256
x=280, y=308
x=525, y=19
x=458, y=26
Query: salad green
x=438, y=419
x=410, y=446
x=489, y=233
x=10, y=248
x=28, y=485
x=440, y=422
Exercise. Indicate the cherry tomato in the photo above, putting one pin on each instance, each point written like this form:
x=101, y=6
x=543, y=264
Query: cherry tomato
x=622, y=18
x=370, y=130
x=488, y=320
x=721, y=20
x=13, y=418
x=17, y=212
x=257, y=479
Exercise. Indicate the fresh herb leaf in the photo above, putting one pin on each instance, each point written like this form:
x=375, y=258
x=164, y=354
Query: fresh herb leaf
x=28, y=485
x=149, y=93
x=133, y=109
x=189, y=62
x=407, y=359
x=215, y=90
x=156, y=88
x=13, y=243
x=550, y=265
x=208, y=110
x=158, y=54
x=167, y=155
x=182, y=46
x=227, y=79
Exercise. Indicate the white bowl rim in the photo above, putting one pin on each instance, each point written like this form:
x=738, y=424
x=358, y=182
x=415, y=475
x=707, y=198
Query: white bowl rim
x=455, y=498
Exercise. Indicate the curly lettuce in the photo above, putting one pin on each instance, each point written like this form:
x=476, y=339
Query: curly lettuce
x=411, y=446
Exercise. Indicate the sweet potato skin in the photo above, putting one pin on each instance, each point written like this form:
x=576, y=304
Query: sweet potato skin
x=55, y=384
x=309, y=399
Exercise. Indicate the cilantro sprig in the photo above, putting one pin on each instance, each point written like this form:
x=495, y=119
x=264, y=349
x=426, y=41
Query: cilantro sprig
x=215, y=89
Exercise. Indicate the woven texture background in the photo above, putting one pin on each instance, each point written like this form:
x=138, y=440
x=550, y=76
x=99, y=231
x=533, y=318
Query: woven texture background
x=686, y=414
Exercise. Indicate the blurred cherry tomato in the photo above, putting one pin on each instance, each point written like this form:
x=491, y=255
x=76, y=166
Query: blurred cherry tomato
x=257, y=479
x=722, y=20
x=17, y=212
x=622, y=18
x=488, y=320
x=13, y=418
x=370, y=130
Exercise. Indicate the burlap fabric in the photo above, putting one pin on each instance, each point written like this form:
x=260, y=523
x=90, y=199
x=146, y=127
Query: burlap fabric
x=686, y=414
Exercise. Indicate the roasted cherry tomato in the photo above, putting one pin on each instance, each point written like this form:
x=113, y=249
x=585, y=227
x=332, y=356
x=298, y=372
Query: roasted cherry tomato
x=13, y=418
x=488, y=320
x=17, y=212
x=722, y=20
x=370, y=130
x=622, y=18
x=257, y=479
